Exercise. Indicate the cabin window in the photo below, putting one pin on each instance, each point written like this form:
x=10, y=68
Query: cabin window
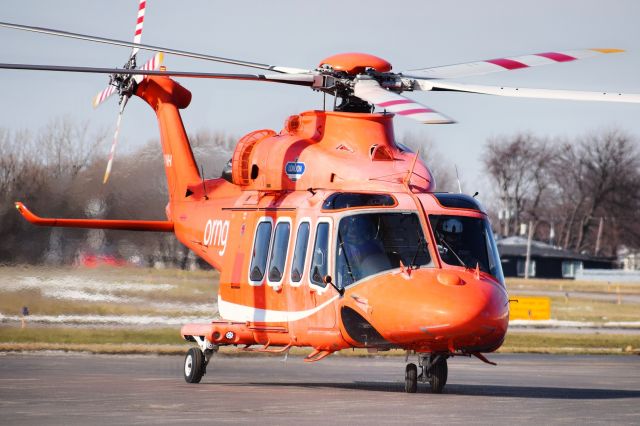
x=260, y=251
x=279, y=251
x=371, y=243
x=319, y=265
x=300, y=252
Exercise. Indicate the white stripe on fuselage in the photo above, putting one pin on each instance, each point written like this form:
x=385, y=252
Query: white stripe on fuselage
x=234, y=312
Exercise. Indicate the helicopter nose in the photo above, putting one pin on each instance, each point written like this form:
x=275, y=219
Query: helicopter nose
x=432, y=310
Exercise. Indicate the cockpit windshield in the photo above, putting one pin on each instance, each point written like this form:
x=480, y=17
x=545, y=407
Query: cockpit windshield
x=467, y=241
x=370, y=243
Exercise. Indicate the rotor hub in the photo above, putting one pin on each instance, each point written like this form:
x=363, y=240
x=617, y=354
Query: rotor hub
x=355, y=63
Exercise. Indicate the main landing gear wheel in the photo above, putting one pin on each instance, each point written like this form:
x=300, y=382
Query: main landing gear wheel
x=194, y=366
x=433, y=370
x=411, y=378
x=438, y=374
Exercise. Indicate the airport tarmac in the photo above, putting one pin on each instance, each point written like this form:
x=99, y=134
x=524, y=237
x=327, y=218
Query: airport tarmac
x=54, y=388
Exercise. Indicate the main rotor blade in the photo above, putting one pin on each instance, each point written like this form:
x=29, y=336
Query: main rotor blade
x=523, y=92
x=297, y=79
x=371, y=91
x=505, y=64
x=285, y=70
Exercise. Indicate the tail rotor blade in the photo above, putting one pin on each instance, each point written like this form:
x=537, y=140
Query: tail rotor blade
x=137, y=37
x=370, y=91
x=112, y=153
x=103, y=96
x=152, y=64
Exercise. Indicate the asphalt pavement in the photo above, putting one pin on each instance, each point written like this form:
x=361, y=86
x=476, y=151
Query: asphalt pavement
x=54, y=388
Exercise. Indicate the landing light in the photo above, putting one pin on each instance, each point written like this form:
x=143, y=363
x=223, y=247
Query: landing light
x=448, y=278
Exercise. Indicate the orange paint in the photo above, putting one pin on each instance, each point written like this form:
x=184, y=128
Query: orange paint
x=356, y=63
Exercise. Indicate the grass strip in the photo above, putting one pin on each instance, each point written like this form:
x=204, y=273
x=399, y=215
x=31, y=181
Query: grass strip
x=541, y=342
x=91, y=336
x=168, y=341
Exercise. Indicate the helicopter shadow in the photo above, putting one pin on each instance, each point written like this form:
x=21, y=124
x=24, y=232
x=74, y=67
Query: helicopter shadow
x=500, y=391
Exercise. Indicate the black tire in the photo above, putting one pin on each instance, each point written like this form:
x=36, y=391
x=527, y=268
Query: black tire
x=193, y=366
x=411, y=378
x=439, y=374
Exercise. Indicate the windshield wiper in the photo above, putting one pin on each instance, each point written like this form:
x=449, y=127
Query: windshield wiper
x=346, y=258
x=443, y=241
x=413, y=264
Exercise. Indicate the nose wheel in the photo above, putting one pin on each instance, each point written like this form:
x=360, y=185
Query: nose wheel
x=197, y=359
x=434, y=371
x=194, y=366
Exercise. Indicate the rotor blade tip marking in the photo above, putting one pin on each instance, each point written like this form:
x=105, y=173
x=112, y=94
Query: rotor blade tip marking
x=395, y=102
x=557, y=56
x=509, y=64
x=608, y=50
x=415, y=111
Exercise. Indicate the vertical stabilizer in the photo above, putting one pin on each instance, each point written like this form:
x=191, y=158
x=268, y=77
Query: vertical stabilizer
x=166, y=96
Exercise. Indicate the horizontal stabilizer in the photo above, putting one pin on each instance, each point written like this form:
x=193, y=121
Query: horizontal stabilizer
x=128, y=225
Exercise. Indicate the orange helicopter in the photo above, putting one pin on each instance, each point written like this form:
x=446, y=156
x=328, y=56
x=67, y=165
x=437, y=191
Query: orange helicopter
x=328, y=234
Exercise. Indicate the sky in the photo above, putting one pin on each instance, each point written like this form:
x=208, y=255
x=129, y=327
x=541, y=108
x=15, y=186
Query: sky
x=409, y=34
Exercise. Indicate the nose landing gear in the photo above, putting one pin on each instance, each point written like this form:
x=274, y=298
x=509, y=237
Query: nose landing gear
x=197, y=359
x=194, y=366
x=434, y=371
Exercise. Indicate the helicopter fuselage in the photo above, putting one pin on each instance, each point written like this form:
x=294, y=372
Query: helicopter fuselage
x=328, y=235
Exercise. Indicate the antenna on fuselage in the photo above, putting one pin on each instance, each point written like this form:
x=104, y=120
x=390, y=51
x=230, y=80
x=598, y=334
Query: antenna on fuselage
x=204, y=187
x=458, y=179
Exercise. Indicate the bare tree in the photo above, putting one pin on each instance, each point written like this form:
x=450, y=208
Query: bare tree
x=518, y=165
x=589, y=189
x=39, y=169
x=598, y=180
x=67, y=147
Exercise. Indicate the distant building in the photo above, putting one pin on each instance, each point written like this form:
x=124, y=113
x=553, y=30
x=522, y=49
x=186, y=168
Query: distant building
x=546, y=261
x=629, y=259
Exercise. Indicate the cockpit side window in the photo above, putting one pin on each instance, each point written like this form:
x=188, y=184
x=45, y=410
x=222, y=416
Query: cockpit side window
x=466, y=241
